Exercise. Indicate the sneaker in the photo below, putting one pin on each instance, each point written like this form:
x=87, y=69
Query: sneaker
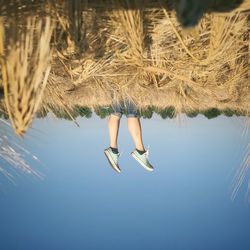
x=143, y=159
x=113, y=159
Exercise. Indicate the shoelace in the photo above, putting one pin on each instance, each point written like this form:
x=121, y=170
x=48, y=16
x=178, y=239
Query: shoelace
x=117, y=156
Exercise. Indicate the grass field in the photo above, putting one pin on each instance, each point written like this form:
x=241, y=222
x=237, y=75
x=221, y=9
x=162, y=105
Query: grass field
x=70, y=53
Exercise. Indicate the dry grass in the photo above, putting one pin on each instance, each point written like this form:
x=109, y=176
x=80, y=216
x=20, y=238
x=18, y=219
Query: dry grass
x=25, y=68
x=131, y=50
x=241, y=174
x=13, y=155
x=145, y=54
x=243, y=171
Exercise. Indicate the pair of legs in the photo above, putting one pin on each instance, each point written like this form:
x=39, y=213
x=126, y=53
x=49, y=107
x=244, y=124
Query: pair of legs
x=134, y=127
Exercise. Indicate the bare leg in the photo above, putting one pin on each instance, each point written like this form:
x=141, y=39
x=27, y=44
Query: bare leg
x=113, y=124
x=134, y=126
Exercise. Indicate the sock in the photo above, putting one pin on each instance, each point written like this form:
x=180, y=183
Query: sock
x=140, y=152
x=114, y=150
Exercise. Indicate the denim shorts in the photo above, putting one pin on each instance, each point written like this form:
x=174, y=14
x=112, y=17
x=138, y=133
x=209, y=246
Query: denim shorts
x=126, y=107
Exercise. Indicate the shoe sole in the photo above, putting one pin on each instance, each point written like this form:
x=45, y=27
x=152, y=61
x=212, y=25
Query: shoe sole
x=111, y=162
x=142, y=163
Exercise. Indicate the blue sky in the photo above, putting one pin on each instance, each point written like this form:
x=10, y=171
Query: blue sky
x=83, y=204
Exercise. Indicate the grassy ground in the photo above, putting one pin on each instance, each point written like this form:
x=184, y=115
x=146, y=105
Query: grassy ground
x=98, y=52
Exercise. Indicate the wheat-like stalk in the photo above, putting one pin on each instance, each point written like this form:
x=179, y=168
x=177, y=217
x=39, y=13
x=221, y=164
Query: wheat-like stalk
x=241, y=174
x=13, y=154
x=25, y=67
x=129, y=31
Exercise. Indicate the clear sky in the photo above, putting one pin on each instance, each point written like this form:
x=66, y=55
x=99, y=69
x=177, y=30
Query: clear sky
x=83, y=204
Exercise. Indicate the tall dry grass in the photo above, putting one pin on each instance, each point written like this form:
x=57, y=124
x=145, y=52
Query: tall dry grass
x=133, y=50
x=25, y=62
x=146, y=54
x=129, y=49
x=243, y=170
x=13, y=156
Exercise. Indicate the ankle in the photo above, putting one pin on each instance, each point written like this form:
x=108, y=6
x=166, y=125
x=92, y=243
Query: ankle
x=114, y=150
x=141, y=151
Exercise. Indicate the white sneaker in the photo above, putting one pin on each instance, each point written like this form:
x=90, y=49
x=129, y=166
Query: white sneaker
x=113, y=159
x=143, y=159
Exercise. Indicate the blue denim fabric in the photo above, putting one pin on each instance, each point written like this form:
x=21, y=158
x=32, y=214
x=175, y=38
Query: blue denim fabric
x=126, y=107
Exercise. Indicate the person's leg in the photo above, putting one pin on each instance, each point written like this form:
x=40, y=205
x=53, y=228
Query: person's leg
x=112, y=152
x=134, y=126
x=139, y=154
x=113, y=124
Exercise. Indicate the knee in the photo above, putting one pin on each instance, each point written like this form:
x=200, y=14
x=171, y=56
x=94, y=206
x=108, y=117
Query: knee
x=115, y=116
